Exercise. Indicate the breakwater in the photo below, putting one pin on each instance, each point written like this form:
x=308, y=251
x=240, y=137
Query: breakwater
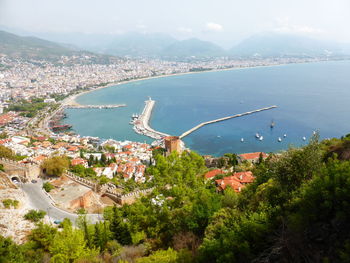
x=224, y=119
x=141, y=124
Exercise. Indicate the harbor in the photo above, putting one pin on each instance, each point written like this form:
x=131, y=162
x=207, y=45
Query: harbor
x=224, y=119
x=141, y=123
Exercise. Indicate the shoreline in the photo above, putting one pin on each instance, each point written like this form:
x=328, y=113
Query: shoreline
x=72, y=99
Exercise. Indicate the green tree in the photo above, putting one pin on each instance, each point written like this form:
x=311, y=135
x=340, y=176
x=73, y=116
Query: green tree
x=6, y=153
x=69, y=245
x=102, y=235
x=120, y=230
x=48, y=187
x=34, y=215
x=42, y=236
x=103, y=159
x=55, y=166
x=166, y=256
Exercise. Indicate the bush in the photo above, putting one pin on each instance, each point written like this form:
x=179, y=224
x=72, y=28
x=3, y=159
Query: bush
x=34, y=215
x=48, y=187
x=55, y=166
x=10, y=202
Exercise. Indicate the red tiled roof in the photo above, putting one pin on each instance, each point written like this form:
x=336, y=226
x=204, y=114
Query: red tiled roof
x=245, y=177
x=213, y=173
x=252, y=156
x=237, y=181
x=78, y=161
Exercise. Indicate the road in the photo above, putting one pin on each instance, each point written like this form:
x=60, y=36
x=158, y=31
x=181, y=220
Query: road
x=38, y=199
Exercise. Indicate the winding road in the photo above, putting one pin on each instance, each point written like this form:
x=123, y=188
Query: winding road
x=38, y=199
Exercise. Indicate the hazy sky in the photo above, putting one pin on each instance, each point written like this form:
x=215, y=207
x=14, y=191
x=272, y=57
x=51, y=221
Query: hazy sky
x=222, y=21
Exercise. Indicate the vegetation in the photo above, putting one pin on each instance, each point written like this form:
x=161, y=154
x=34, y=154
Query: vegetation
x=34, y=215
x=55, y=166
x=3, y=135
x=10, y=202
x=28, y=108
x=297, y=210
x=6, y=153
x=48, y=187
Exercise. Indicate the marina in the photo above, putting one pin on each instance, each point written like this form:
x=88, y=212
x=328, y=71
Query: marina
x=141, y=123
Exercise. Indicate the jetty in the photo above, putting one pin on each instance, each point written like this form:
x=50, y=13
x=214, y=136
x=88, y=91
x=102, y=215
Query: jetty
x=141, y=124
x=94, y=106
x=224, y=119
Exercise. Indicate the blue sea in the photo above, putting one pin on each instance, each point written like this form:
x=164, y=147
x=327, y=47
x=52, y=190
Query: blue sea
x=310, y=97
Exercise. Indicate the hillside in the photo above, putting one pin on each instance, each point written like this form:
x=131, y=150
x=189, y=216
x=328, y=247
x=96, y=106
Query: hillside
x=31, y=47
x=22, y=47
x=138, y=45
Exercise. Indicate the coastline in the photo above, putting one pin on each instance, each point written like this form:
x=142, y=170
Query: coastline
x=71, y=100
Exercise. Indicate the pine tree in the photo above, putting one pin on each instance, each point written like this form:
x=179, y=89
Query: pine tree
x=119, y=229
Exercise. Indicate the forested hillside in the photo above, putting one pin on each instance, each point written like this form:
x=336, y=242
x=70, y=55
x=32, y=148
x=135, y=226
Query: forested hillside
x=296, y=210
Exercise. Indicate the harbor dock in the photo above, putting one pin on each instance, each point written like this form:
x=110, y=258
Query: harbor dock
x=223, y=119
x=94, y=106
x=141, y=125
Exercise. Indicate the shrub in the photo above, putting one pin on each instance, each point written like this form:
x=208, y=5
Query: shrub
x=10, y=202
x=34, y=215
x=48, y=187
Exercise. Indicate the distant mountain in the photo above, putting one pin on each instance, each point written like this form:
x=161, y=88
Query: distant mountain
x=139, y=45
x=31, y=47
x=277, y=44
x=193, y=48
x=35, y=48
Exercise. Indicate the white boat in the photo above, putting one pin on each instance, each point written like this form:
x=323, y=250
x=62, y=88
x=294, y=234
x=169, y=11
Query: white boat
x=279, y=139
x=284, y=135
x=261, y=138
x=257, y=135
x=304, y=138
x=242, y=140
x=218, y=136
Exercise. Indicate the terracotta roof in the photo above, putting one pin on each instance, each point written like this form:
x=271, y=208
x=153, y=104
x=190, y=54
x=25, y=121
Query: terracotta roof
x=237, y=181
x=244, y=177
x=77, y=161
x=252, y=156
x=213, y=173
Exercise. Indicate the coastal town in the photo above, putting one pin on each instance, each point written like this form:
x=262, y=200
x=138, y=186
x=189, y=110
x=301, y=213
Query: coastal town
x=101, y=172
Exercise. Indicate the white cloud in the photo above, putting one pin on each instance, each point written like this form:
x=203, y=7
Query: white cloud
x=214, y=27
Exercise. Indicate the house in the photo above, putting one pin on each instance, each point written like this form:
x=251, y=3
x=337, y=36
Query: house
x=39, y=159
x=98, y=171
x=236, y=181
x=252, y=157
x=230, y=181
x=80, y=161
x=244, y=177
x=211, y=174
x=108, y=172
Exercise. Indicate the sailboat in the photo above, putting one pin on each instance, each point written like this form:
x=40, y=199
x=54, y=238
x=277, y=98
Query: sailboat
x=272, y=124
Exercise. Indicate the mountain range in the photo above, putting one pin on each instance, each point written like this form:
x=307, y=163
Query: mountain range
x=159, y=45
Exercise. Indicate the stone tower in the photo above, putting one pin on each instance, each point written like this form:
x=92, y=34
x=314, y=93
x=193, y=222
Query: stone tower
x=172, y=143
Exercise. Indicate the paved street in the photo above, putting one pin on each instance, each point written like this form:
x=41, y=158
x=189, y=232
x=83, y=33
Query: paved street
x=39, y=200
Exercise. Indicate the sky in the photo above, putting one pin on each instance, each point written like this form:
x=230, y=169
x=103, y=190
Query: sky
x=225, y=22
